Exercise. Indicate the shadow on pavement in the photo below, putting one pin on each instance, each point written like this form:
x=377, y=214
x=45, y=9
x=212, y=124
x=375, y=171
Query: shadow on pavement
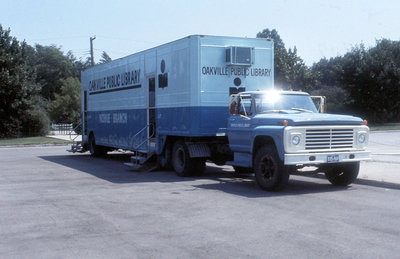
x=111, y=169
x=373, y=183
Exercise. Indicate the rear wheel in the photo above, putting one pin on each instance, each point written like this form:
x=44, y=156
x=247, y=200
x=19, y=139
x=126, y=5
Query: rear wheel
x=270, y=172
x=343, y=174
x=95, y=150
x=200, y=166
x=183, y=164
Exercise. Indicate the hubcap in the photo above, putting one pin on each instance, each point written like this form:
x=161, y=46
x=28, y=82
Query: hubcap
x=267, y=168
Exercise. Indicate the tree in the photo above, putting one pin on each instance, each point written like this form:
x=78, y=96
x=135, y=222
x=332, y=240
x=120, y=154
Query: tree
x=51, y=67
x=19, y=108
x=328, y=75
x=290, y=72
x=299, y=76
x=105, y=58
x=368, y=81
x=66, y=107
x=280, y=55
x=373, y=80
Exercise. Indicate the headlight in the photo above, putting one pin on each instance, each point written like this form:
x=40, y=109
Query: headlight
x=295, y=140
x=361, y=138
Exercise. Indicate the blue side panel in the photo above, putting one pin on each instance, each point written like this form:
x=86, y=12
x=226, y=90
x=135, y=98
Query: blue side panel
x=117, y=128
x=191, y=121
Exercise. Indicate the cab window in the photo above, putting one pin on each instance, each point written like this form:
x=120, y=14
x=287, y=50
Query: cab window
x=245, y=105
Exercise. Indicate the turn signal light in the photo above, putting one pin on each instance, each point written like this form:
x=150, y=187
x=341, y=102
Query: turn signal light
x=365, y=122
x=285, y=123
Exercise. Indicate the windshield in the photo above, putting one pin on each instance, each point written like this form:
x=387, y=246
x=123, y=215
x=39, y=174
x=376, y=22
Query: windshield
x=276, y=102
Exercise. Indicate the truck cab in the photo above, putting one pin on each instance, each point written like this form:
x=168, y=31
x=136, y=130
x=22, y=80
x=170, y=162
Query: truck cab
x=275, y=133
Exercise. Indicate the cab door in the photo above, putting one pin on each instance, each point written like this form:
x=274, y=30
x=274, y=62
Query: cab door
x=240, y=124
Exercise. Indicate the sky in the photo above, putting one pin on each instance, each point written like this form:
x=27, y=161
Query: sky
x=317, y=29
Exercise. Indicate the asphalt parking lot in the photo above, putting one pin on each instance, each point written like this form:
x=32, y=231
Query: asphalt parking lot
x=55, y=204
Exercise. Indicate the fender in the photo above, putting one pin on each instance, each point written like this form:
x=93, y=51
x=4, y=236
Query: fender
x=273, y=132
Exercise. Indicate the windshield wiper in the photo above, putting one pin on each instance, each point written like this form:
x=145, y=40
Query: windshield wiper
x=301, y=110
x=273, y=111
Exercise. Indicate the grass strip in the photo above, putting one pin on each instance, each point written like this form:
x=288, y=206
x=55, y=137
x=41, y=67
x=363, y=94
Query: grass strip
x=33, y=141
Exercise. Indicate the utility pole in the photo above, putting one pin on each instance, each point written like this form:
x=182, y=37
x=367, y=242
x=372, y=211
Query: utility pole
x=91, y=50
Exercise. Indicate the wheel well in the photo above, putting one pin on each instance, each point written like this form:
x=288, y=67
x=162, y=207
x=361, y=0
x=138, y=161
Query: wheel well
x=260, y=141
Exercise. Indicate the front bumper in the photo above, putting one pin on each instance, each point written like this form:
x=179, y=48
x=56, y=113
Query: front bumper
x=322, y=158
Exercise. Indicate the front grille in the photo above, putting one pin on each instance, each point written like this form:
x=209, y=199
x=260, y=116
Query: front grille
x=329, y=139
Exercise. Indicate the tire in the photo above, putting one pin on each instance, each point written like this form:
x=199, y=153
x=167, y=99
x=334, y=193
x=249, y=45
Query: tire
x=200, y=166
x=183, y=164
x=95, y=150
x=270, y=172
x=343, y=174
x=242, y=170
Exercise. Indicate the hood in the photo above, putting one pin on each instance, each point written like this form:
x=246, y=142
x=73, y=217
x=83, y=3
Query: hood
x=304, y=118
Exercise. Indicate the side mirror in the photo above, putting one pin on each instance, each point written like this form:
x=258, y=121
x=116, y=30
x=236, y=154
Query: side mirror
x=233, y=105
x=319, y=102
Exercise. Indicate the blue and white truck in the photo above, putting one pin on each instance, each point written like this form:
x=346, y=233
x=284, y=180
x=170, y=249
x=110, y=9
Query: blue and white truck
x=210, y=98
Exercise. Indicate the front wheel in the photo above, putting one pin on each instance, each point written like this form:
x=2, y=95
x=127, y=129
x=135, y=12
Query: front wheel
x=343, y=174
x=271, y=174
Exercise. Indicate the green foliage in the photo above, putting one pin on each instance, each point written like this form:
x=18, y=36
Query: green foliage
x=33, y=141
x=30, y=79
x=280, y=55
x=36, y=121
x=105, y=58
x=364, y=82
x=337, y=98
x=367, y=79
x=52, y=66
x=290, y=70
x=17, y=91
x=328, y=82
x=66, y=107
x=373, y=79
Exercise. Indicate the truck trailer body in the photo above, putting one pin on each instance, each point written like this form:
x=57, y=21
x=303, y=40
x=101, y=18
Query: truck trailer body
x=212, y=98
x=178, y=89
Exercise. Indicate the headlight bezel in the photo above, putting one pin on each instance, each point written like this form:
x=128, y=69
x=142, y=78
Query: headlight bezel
x=294, y=133
x=363, y=134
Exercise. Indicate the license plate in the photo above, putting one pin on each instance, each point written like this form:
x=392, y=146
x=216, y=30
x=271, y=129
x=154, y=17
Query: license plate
x=333, y=158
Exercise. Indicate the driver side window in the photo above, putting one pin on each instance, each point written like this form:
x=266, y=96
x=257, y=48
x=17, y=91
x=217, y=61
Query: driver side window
x=245, y=106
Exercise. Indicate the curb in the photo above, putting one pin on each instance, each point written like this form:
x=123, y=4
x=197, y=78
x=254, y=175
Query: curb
x=36, y=145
